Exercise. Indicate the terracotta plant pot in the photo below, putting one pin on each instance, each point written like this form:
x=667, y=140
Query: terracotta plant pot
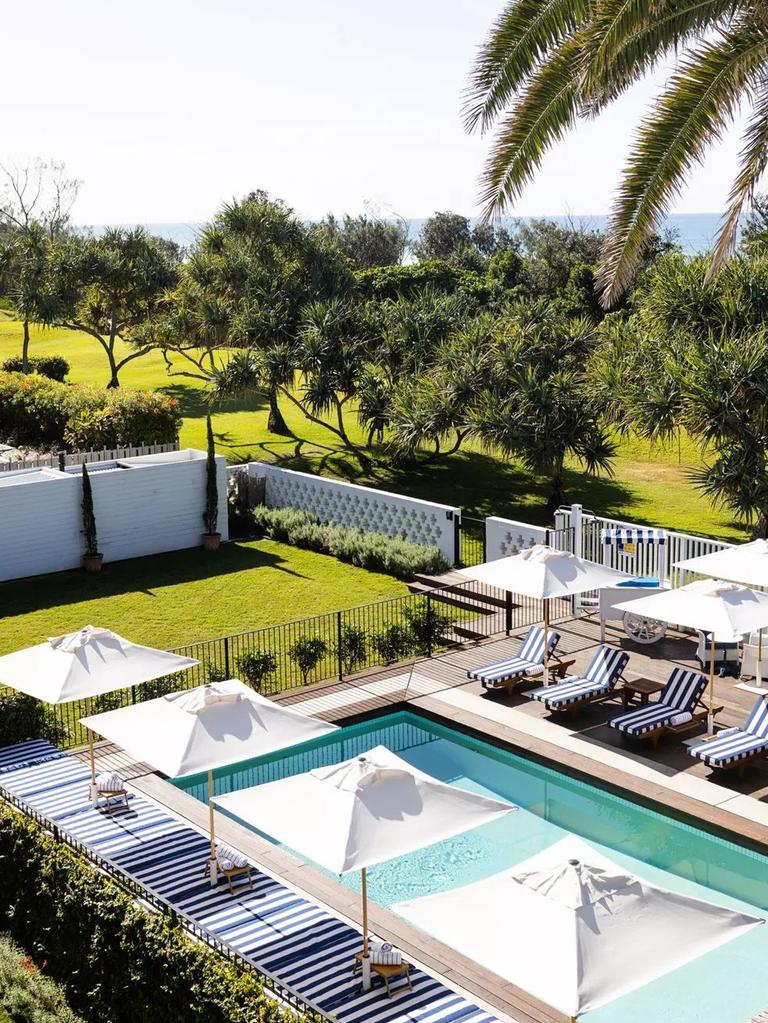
x=92, y=562
x=211, y=541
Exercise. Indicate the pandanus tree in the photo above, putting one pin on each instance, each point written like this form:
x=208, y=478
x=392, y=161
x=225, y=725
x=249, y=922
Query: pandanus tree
x=550, y=64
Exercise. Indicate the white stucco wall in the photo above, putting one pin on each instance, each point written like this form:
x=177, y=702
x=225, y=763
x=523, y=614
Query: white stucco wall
x=504, y=537
x=154, y=503
x=348, y=504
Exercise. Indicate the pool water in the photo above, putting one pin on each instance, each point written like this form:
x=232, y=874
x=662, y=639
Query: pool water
x=728, y=985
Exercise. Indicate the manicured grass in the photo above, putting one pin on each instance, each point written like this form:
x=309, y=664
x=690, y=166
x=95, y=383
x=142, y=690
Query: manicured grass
x=649, y=484
x=171, y=599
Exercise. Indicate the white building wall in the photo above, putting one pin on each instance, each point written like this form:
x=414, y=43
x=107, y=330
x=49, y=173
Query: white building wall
x=347, y=504
x=505, y=537
x=152, y=505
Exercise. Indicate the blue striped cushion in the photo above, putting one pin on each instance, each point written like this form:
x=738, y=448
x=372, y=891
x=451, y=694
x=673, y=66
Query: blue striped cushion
x=757, y=722
x=528, y=661
x=681, y=693
x=600, y=677
x=729, y=749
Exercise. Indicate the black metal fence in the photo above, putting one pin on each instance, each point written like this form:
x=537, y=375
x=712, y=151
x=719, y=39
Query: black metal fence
x=337, y=645
x=471, y=541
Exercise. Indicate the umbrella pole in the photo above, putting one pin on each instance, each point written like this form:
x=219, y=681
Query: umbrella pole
x=758, y=673
x=711, y=715
x=211, y=828
x=366, y=963
x=546, y=640
x=91, y=754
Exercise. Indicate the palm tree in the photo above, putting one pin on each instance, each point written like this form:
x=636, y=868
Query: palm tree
x=549, y=64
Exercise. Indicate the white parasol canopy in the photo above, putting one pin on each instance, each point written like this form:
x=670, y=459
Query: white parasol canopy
x=86, y=663
x=360, y=812
x=574, y=929
x=747, y=563
x=725, y=610
x=200, y=729
x=543, y=572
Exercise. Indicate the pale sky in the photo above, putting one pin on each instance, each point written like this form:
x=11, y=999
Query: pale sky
x=166, y=109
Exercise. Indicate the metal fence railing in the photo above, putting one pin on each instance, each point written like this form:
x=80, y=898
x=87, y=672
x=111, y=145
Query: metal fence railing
x=472, y=541
x=62, y=459
x=333, y=646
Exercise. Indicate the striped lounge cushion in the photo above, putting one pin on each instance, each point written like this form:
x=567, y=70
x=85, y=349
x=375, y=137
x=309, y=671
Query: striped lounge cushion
x=600, y=677
x=737, y=743
x=528, y=661
x=680, y=695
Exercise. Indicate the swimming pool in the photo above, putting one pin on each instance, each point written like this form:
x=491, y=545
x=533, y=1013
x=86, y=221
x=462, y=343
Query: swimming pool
x=728, y=985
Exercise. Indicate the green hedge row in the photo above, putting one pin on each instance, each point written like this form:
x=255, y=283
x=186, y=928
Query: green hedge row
x=44, y=414
x=405, y=281
x=55, y=367
x=374, y=551
x=26, y=994
x=117, y=962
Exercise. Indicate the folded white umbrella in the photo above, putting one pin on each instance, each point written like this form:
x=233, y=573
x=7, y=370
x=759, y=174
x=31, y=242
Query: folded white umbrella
x=84, y=664
x=544, y=572
x=363, y=811
x=725, y=610
x=201, y=729
x=574, y=929
x=747, y=564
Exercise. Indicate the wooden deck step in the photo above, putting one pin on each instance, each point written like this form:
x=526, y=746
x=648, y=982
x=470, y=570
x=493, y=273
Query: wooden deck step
x=466, y=632
x=467, y=603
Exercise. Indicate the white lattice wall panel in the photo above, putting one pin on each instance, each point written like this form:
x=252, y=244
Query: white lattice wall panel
x=505, y=537
x=347, y=504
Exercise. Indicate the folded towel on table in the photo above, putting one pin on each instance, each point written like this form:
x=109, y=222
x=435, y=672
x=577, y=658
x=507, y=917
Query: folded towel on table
x=383, y=953
x=681, y=719
x=228, y=858
x=109, y=782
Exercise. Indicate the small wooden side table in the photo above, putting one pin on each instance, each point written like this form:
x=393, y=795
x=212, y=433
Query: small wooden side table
x=386, y=972
x=643, y=688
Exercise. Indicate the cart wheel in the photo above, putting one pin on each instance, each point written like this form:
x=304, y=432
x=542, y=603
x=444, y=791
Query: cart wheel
x=642, y=629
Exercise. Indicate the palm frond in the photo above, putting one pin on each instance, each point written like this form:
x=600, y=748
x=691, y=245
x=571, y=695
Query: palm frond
x=522, y=38
x=546, y=111
x=698, y=104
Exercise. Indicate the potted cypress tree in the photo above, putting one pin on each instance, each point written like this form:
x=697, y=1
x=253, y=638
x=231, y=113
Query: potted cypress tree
x=211, y=539
x=92, y=558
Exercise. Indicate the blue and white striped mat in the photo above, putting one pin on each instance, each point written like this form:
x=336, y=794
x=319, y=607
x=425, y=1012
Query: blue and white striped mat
x=280, y=931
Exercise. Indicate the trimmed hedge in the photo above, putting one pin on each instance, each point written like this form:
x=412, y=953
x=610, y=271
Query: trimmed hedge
x=26, y=994
x=374, y=551
x=383, y=282
x=117, y=962
x=55, y=367
x=44, y=414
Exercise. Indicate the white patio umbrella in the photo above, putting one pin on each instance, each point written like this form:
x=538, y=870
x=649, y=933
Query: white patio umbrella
x=574, y=929
x=544, y=572
x=363, y=811
x=84, y=664
x=201, y=729
x=723, y=609
x=747, y=563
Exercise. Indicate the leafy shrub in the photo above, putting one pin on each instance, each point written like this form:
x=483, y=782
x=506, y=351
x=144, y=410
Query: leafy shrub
x=117, y=962
x=256, y=667
x=373, y=551
x=427, y=626
x=55, y=367
x=40, y=413
x=393, y=644
x=308, y=652
x=405, y=281
x=24, y=717
x=353, y=648
x=27, y=996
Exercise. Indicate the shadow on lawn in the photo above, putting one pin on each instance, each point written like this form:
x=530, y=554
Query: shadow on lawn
x=139, y=575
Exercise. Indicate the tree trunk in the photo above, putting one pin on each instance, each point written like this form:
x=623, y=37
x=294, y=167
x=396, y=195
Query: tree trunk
x=276, y=423
x=25, y=349
x=557, y=495
x=760, y=531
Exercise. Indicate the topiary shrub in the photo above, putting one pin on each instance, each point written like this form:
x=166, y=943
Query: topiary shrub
x=24, y=717
x=393, y=644
x=352, y=650
x=374, y=551
x=26, y=994
x=256, y=667
x=308, y=652
x=55, y=367
x=427, y=626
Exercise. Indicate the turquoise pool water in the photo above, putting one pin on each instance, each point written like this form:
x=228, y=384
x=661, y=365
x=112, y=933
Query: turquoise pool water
x=729, y=985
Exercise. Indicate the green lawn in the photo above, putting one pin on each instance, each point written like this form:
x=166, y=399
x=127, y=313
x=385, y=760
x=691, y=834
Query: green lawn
x=649, y=485
x=171, y=599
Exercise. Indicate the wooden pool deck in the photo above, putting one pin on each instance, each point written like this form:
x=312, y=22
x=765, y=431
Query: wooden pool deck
x=667, y=778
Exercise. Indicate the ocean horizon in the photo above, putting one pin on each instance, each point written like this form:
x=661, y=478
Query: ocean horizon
x=694, y=232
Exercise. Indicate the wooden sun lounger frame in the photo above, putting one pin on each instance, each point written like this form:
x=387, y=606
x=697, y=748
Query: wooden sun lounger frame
x=575, y=706
x=740, y=765
x=556, y=671
x=698, y=714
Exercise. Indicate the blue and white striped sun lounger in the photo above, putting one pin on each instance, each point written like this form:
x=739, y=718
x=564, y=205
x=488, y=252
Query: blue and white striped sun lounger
x=529, y=661
x=733, y=747
x=678, y=699
x=597, y=683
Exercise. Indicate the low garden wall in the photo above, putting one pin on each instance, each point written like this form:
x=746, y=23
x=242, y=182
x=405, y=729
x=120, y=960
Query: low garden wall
x=143, y=505
x=504, y=537
x=375, y=511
